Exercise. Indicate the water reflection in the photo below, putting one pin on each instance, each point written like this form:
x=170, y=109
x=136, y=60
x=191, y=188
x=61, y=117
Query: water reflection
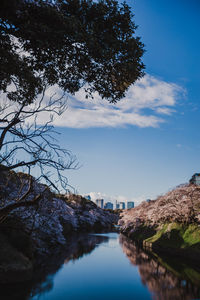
x=107, y=274
x=42, y=283
x=165, y=278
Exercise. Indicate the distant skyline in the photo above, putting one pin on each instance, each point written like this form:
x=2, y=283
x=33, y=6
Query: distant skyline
x=105, y=200
x=108, y=198
x=149, y=142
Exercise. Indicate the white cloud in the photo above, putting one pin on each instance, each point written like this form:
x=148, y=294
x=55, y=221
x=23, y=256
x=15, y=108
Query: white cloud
x=165, y=110
x=145, y=105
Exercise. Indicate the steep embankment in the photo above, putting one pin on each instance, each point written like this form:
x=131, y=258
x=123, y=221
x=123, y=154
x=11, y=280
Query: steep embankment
x=170, y=224
x=35, y=222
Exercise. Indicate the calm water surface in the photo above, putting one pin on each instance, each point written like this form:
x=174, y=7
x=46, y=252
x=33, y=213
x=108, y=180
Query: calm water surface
x=109, y=266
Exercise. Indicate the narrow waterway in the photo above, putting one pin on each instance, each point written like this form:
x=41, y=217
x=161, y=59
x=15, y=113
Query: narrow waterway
x=109, y=266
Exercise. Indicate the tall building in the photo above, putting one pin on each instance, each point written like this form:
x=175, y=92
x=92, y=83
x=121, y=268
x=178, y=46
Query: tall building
x=130, y=204
x=99, y=202
x=108, y=205
x=117, y=205
x=122, y=205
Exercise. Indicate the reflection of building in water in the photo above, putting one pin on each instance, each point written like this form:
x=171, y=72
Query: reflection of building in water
x=161, y=282
x=99, y=202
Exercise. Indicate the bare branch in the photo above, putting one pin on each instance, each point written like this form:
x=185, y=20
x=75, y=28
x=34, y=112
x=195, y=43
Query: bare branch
x=24, y=143
x=6, y=129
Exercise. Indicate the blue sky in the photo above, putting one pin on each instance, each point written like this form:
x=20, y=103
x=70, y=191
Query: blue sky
x=150, y=142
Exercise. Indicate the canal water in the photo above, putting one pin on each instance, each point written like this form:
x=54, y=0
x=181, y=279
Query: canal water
x=109, y=266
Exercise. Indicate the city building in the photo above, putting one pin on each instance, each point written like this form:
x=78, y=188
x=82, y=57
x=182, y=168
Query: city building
x=195, y=179
x=117, y=205
x=108, y=205
x=99, y=203
x=130, y=204
x=121, y=205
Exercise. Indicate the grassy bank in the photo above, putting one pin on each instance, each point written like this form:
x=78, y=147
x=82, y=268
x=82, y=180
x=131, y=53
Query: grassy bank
x=173, y=238
x=175, y=235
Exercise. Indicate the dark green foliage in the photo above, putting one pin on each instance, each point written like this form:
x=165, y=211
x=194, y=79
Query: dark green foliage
x=170, y=239
x=70, y=43
x=142, y=233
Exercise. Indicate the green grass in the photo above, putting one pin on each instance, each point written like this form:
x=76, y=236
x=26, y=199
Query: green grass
x=175, y=235
x=158, y=234
x=191, y=236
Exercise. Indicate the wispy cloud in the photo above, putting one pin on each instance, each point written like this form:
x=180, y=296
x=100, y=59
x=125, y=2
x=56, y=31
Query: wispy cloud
x=145, y=105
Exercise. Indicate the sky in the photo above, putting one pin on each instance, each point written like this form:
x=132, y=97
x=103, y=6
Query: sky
x=150, y=141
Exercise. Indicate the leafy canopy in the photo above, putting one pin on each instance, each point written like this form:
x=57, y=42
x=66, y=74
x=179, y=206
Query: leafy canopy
x=71, y=43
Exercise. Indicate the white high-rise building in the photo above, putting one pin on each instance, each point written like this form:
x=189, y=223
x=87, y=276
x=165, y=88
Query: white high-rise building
x=121, y=205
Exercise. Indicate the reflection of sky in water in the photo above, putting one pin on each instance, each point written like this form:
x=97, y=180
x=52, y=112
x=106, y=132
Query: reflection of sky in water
x=105, y=273
x=114, y=269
